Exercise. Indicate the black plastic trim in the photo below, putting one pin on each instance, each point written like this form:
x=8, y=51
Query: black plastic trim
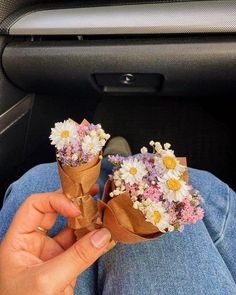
x=190, y=66
x=15, y=113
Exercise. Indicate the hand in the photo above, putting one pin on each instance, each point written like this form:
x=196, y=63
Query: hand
x=33, y=263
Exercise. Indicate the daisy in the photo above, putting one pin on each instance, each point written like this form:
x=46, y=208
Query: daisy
x=132, y=171
x=168, y=164
x=155, y=213
x=173, y=188
x=63, y=133
x=91, y=145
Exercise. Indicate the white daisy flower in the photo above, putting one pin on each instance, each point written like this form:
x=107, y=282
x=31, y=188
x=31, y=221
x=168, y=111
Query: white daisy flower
x=117, y=175
x=155, y=213
x=91, y=145
x=168, y=164
x=63, y=133
x=132, y=171
x=173, y=188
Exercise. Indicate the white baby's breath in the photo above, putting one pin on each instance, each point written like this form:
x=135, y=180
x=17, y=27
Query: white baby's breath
x=158, y=147
x=167, y=145
x=144, y=150
x=74, y=157
x=151, y=143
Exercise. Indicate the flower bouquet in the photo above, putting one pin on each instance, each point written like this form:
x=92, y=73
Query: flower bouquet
x=78, y=153
x=148, y=195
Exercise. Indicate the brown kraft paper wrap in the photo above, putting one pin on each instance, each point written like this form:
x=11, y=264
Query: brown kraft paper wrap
x=76, y=184
x=127, y=224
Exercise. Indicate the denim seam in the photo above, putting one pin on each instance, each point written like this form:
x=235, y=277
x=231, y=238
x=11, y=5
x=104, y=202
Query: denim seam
x=7, y=193
x=224, y=226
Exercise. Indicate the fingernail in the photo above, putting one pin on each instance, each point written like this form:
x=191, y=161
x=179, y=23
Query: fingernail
x=100, y=238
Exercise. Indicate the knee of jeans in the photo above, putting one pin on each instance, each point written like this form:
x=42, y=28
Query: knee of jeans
x=201, y=178
x=41, y=178
x=41, y=171
x=216, y=200
x=208, y=183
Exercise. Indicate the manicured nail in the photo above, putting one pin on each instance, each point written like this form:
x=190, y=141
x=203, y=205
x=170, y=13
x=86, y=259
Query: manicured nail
x=100, y=238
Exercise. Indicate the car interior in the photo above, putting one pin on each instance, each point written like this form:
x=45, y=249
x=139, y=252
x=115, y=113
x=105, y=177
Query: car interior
x=145, y=70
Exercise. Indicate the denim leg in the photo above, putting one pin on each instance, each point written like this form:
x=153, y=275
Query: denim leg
x=226, y=244
x=220, y=211
x=180, y=263
x=175, y=264
x=190, y=253
x=220, y=214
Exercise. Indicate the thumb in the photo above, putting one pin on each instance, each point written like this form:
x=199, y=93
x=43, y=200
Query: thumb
x=64, y=268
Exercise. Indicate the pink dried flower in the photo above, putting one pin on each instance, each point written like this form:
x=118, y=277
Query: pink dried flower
x=132, y=189
x=81, y=130
x=190, y=214
x=173, y=216
x=152, y=193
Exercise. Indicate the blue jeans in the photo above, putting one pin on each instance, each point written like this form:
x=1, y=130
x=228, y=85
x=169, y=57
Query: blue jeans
x=201, y=260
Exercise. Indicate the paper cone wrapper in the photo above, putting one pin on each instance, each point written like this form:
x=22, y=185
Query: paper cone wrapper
x=127, y=224
x=76, y=184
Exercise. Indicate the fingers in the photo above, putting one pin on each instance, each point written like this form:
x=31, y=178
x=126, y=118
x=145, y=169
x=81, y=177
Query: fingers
x=32, y=212
x=64, y=268
x=57, y=245
x=65, y=238
x=48, y=220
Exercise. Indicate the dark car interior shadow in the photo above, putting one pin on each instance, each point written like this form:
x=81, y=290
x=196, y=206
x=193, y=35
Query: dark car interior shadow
x=182, y=91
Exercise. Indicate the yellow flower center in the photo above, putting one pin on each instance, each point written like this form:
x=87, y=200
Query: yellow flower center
x=156, y=216
x=65, y=134
x=133, y=170
x=91, y=146
x=169, y=162
x=173, y=184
